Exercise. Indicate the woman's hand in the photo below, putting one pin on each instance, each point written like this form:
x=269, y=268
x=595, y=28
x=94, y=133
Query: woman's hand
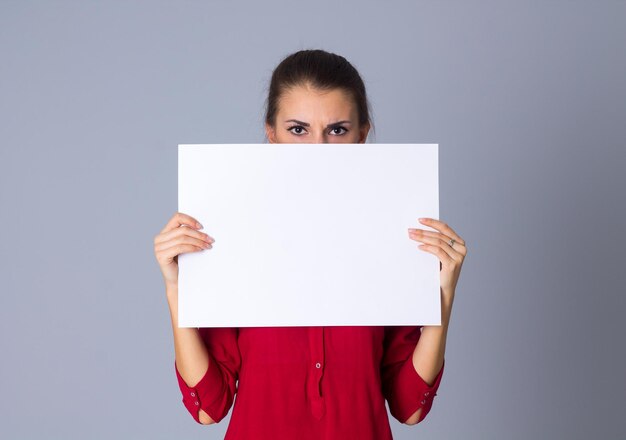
x=179, y=235
x=450, y=257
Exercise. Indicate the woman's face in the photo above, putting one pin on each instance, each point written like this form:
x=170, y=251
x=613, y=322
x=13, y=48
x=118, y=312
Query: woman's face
x=312, y=116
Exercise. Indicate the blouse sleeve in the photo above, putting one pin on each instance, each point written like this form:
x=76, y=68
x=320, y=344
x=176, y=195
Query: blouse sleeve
x=215, y=391
x=404, y=389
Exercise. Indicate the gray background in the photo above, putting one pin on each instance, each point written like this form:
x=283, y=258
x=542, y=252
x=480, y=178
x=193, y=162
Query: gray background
x=526, y=99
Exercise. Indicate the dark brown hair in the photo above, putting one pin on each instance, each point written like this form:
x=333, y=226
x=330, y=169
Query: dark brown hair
x=323, y=71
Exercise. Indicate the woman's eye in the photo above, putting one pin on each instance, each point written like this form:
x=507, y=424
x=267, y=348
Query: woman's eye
x=299, y=127
x=299, y=130
x=340, y=128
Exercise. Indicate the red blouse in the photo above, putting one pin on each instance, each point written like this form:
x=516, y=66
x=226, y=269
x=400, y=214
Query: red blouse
x=310, y=382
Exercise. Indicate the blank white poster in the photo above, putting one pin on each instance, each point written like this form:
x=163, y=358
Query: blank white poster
x=309, y=235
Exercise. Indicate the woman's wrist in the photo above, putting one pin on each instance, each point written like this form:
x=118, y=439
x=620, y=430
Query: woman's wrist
x=171, y=293
x=171, y=289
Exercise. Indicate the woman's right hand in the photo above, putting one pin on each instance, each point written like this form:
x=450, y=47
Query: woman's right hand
x=179, y=235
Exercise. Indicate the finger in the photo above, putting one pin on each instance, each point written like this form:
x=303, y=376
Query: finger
x=443, y=256
x=437, y=241
x=182, y=239
x=179, y=219
x=443, y=227
x=428, y=233
x=168, y=254
x=182, y=230
x=461, y=248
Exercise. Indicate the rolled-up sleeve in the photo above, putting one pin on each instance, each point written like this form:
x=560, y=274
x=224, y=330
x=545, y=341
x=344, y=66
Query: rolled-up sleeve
x=215, y=392
x=403, y=387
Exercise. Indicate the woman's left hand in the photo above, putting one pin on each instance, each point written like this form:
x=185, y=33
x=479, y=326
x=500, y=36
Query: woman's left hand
x=450, y=257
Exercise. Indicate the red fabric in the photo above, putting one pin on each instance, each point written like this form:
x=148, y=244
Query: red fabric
x=310, y=382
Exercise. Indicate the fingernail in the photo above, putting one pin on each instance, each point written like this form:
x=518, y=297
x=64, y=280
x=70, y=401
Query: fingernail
x=199, y=225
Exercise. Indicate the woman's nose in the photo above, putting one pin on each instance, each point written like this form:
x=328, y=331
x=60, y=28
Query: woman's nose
x=320, y=138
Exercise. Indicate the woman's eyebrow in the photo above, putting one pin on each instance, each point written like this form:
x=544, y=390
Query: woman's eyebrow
x=305, y=124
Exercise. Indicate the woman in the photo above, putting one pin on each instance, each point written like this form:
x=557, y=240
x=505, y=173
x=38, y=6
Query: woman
x=310, y=382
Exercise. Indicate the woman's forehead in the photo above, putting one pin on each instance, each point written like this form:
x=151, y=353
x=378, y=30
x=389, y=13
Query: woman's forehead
x=304, y=102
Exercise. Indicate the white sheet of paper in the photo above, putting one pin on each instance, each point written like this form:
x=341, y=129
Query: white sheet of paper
x=308, y=235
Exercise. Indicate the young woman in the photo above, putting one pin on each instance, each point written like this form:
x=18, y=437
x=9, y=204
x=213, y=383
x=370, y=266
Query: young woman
x=310, y=382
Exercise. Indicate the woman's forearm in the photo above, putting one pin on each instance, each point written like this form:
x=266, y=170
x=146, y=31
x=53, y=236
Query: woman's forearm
x=430, y=349
x=429, y=353
x=192, y=357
